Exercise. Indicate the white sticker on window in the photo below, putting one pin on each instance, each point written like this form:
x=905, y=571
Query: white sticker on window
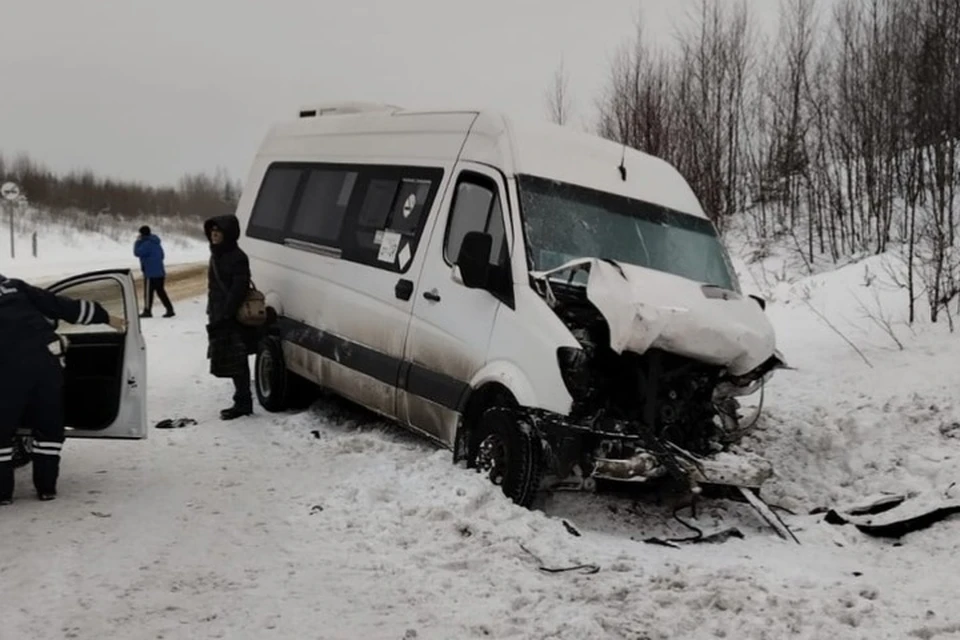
x=389, y=246
x=409, y=205
x=378, y=237
x=404, y=256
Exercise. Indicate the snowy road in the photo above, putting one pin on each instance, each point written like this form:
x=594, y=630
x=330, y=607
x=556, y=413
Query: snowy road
x=259, y=529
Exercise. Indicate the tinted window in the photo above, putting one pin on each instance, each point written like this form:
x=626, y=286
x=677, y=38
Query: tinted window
x=377, y=202
x=374, y=214
x=476, y=207
x=273, y=202
x=391, y=217
x=323, y=205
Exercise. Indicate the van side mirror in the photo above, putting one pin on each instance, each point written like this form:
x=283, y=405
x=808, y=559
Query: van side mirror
x=474, y=259
x=760, y=301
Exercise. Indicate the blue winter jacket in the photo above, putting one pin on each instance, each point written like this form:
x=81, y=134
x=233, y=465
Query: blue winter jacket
x=151, y=256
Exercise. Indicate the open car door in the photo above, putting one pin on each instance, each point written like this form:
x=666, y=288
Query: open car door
x=105, y=379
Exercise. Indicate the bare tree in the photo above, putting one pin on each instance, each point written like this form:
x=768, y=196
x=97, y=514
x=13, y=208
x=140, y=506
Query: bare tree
x=557, y=95
x=688, y=108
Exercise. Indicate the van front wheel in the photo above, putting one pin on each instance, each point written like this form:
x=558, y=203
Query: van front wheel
x=279, y=389
x=509, y=453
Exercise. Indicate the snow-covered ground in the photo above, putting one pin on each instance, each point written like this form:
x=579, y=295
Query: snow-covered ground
x=331, y=524
x=64, y=250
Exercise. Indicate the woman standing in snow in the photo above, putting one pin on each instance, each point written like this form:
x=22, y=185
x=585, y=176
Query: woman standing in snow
x=230, y=343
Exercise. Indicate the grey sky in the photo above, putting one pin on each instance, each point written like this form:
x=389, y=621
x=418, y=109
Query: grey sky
x=150, y=89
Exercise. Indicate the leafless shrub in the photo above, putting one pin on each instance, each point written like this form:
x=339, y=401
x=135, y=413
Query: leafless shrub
x=834, y=328
x=557, y=96
x=879, y=317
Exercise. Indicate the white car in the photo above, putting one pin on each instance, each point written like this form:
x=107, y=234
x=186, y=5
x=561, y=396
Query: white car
x=539, y=300
x=105, y=371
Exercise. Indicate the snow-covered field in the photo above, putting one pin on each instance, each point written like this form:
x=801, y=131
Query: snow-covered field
x=64, y=250
x=331, y=524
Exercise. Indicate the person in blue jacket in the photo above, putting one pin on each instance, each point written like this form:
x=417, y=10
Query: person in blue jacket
x=149, y=250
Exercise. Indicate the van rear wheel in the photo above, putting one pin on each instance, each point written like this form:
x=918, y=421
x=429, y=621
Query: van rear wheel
x=509, y=453
x=279, y=389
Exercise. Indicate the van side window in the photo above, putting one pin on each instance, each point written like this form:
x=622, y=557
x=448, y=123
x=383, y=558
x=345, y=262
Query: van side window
x=269, y=217
x=386, y=227
x=372, y=214
x=320, y=212
x=476, y=207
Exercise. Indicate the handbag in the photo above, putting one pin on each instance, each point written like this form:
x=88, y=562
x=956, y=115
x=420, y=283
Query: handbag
x=253, y=308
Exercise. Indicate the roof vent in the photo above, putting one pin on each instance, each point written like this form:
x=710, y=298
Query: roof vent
x=344, y=108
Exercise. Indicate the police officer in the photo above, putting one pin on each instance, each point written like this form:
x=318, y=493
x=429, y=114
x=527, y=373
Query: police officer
x=31, y=376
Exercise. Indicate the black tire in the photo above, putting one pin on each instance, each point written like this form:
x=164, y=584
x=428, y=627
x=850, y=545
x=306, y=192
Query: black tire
x=510, y=452
x=279, y=389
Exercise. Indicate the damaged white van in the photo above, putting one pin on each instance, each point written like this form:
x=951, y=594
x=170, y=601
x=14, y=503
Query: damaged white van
x=543, y=302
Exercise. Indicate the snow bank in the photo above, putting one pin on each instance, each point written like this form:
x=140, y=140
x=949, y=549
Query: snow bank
x=859, y=414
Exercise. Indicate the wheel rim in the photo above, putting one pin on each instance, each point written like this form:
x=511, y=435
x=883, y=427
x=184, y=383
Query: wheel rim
x=492, y=458
x=265, y=373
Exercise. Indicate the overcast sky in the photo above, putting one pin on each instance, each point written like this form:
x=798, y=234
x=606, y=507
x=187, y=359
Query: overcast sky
x=151, y=89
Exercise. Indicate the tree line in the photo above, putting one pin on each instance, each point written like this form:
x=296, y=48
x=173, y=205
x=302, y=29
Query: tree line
x=196, y=196
x=839, y=132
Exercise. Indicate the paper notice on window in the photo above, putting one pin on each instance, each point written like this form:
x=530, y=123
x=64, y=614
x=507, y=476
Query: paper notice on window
x=389, y=246
x=378, y=238
x=404, y=257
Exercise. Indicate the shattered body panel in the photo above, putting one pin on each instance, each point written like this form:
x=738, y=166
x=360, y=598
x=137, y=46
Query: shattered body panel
x=648, y=309
x=655, y=381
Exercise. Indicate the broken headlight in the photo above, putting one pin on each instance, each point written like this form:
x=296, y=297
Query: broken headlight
x=575, y=371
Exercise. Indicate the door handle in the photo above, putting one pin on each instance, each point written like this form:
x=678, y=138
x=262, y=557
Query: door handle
x=432, y=295
x=404, y=289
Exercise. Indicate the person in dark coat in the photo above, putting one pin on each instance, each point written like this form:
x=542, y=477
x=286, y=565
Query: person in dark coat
x=230, y=343
x=31, y=377
x=148, y=248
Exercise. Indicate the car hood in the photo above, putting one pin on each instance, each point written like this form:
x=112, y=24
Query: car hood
x=646, y=309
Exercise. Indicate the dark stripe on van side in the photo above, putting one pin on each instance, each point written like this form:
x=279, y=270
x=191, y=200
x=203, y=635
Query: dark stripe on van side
x=349, y=354
x=436, y=387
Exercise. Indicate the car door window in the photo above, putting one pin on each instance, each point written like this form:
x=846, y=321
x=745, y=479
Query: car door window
x=476, y=207
x=108, y=292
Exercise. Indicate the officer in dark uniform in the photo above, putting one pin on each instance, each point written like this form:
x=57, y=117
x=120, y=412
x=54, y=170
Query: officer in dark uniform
x=31, y=377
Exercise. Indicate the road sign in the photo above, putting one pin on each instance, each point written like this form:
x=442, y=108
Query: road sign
x=10, y=191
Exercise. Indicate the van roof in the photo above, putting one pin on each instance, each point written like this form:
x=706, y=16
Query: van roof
x=515, y=146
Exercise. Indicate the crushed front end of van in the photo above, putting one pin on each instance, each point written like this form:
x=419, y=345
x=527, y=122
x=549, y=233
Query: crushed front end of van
x=655, y=381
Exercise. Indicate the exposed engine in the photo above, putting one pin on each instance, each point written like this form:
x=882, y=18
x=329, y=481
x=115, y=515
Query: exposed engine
x=668, y=396
x=655, y=379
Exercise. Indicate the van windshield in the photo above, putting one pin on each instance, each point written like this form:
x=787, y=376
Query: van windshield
x=564, y=222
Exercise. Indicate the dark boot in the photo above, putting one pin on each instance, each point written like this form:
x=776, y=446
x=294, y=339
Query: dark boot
x=46, y=471
x=235, y=412
x=242, y=398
